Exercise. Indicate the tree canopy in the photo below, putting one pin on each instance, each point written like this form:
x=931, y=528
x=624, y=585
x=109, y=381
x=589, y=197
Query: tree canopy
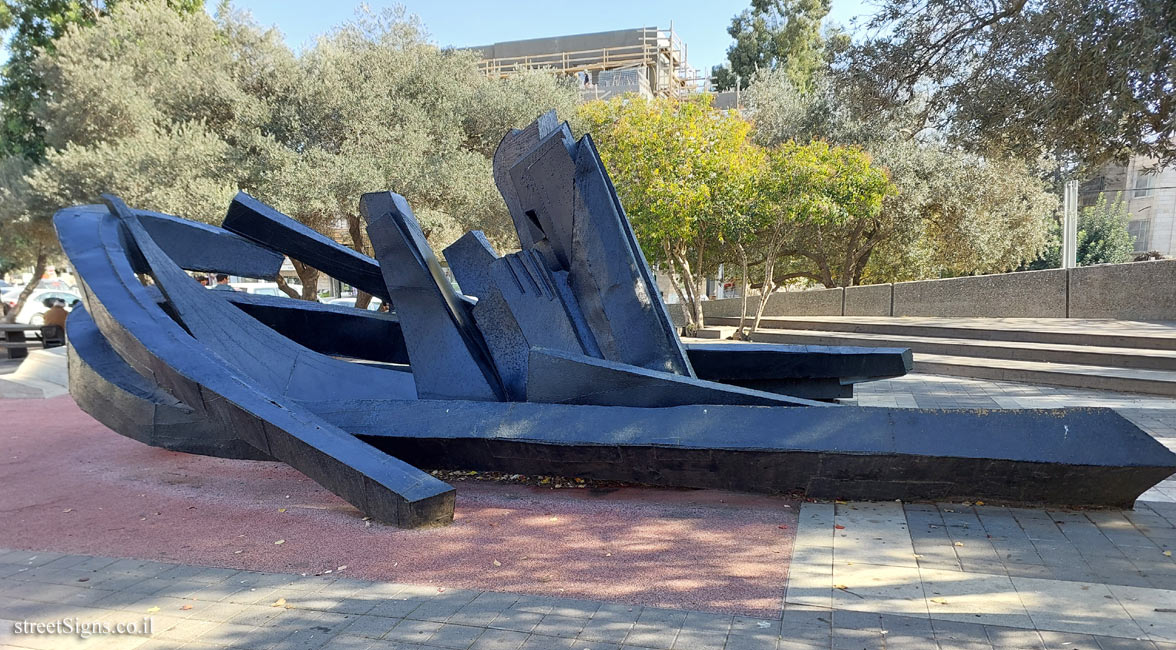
x=35, y=25
x=176, y=111
x=683, y=172
x=1087, y=80
x=952, y=212
x=816, y=216
x=783, y=35
x=1102, y=236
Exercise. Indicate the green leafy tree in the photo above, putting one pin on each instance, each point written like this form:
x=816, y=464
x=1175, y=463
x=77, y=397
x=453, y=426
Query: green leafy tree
x=1102, y=236
x=35, y=25
x=952, y=212
x=372, y=106
x=682, y=171
x=781, y=35
x=1089, y=80
x=818, y=215
x=34, y=29
x=375, y=105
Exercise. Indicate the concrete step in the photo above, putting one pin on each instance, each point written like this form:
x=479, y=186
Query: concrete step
x=1152, y=382
x=43, y=374
x=1089, y=355
x=1103, y=333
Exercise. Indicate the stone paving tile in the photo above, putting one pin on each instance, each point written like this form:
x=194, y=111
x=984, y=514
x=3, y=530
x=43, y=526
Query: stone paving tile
x=454, y=636
x=1068, y=641
x=503, y=640
x=412, y=631
x=990, y=592
x=373, y=627
x=872, y=532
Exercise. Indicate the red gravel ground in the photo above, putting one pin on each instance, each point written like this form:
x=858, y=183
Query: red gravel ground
x=69, y=484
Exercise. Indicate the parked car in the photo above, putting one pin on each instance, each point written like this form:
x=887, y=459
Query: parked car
x=374, y=305
x=263, y=288
x=39, y=302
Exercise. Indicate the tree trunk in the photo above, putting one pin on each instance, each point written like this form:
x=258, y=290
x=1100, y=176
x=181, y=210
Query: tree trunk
x=765, y=293
x=355, y=230
x=38, y=271
x=700, y=291
x=308, y=275
x=683, y=299
x=743, y=266
x=286, y=288
x=691, y=285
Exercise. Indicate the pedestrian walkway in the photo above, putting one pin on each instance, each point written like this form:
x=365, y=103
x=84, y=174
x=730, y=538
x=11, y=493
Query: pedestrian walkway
x=864, y=575
x=947, y=576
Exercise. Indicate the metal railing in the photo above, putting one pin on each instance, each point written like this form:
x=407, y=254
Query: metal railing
x=661, y=51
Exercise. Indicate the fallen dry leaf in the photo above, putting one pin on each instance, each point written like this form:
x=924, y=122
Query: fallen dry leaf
x=841, y=587
x=979, y=503
x=281, y=510
x=186, y=607
x=281, y=602
x=152, y=610
x=1168, y=553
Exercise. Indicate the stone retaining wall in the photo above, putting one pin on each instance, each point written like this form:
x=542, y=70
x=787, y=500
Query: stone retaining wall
x=1134, y=291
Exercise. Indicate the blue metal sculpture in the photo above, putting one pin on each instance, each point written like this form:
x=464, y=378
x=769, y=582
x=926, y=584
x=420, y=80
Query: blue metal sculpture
x=556, y=359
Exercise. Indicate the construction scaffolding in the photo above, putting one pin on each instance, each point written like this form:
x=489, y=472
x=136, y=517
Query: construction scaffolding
x=646, y=60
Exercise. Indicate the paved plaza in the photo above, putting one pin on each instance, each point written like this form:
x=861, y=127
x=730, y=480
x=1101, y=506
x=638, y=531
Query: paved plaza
x=841, y=575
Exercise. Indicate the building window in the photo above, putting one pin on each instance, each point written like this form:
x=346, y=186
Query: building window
x=1143, y=185
x=1140, y=229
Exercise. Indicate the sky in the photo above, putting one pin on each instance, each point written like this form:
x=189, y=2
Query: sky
x=460, y=23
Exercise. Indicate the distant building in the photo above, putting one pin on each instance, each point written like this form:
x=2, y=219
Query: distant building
x=646, y=60
x=1150, y=195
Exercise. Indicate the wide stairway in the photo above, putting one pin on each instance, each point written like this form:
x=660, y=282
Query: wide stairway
x=1126, y=356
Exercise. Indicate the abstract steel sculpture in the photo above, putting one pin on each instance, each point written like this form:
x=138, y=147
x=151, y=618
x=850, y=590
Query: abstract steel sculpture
x=556, y=359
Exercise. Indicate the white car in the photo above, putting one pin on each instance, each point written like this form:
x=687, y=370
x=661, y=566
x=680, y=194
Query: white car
x=33, y=312
x=374, y=305
x=263, y=288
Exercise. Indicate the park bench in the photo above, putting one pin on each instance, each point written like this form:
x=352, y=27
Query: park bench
x=16, y=344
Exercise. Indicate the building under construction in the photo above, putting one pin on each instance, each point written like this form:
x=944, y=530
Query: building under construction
x=646, y=60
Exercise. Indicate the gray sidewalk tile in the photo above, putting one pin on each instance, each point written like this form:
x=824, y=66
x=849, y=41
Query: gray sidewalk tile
x=1068, y=641
x=413, y=631
x=1012, y=638
x=373, y=627
x=501, y=640
x=644, y=635
x=560, y=626
x=458, y=637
